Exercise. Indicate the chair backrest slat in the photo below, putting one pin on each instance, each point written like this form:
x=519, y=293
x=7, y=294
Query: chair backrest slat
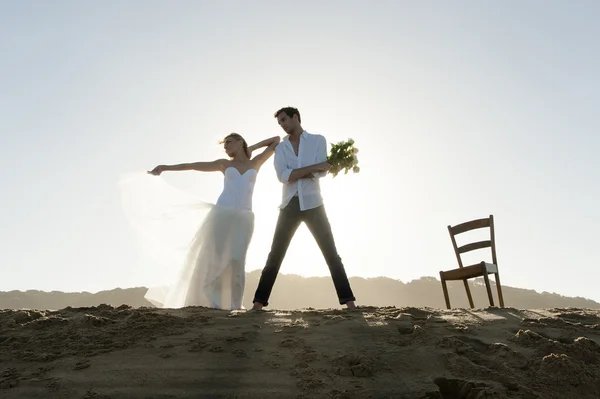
x=474, y=245
x=472, y=225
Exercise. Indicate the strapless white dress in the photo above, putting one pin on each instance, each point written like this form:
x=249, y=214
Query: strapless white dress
x=205, y=244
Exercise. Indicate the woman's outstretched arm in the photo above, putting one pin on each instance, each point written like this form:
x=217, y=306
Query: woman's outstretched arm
x=266, y=154
x=215, y=166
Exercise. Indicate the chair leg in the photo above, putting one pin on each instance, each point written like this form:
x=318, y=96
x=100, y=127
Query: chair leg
x=488, y=288
x=499, y=287
x=445, y=290
x=468, y=293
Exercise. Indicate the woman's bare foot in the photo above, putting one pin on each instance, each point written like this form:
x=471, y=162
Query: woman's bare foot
x=350, y=305
x=257, y=306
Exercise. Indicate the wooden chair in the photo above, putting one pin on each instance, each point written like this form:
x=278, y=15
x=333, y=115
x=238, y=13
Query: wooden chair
x=477, y=270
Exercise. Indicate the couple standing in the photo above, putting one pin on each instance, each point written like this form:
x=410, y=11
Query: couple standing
x=213, y=273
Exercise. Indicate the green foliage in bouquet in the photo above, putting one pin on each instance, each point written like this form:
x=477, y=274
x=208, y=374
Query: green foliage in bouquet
x=343, y=157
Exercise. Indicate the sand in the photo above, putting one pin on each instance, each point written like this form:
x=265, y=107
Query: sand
x=370, y=352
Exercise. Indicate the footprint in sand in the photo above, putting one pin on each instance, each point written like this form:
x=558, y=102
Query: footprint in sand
x=308, y=355
x=310, y=384
x=587, y=350
x=25, y=316
x=353, y=365
x=528, y=338
x=495, y=356
x=571, y=365
x=233, y=339
x=291, y=342
x=93, y=395
x=9, y=378
x=197, y=346
x=250, y=334
x=454, y=388
x=272, y=364
x=42, y=371
x=53, y=384
x=563, y=370
x=580, y=317
x=96, y=321
x=334, y=319
x=404, y=323
x=82, y=364
x=239, y=353
x=216, y=349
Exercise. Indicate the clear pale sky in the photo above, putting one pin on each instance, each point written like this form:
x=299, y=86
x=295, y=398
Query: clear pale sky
x=460, y=110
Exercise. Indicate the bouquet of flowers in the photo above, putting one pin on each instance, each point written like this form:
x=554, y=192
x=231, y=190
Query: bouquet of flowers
x=343, y=156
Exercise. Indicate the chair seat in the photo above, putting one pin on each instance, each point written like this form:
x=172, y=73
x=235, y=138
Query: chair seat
x=472, y=271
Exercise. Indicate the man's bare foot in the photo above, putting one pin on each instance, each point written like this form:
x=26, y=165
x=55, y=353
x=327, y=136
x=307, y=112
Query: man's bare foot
x=350, y=305
x=257, y=306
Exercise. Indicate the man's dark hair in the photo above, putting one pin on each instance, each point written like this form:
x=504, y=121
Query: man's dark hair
x=289, y=111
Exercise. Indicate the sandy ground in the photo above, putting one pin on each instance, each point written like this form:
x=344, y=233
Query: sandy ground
x=124, y=352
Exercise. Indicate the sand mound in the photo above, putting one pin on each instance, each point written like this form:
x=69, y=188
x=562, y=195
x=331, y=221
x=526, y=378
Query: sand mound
x=122, y=352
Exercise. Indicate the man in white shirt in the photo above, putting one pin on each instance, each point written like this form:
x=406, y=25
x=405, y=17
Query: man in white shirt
x=300, y=160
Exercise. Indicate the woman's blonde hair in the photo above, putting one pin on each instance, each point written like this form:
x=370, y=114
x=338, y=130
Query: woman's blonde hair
x=239, y=137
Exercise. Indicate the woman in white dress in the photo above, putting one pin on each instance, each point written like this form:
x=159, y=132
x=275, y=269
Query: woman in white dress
x=213, y=269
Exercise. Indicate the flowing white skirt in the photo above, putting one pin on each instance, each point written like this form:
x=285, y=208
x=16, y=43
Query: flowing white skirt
x=202, y=246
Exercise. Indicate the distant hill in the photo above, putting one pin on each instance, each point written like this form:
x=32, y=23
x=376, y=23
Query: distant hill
x=294, y=292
